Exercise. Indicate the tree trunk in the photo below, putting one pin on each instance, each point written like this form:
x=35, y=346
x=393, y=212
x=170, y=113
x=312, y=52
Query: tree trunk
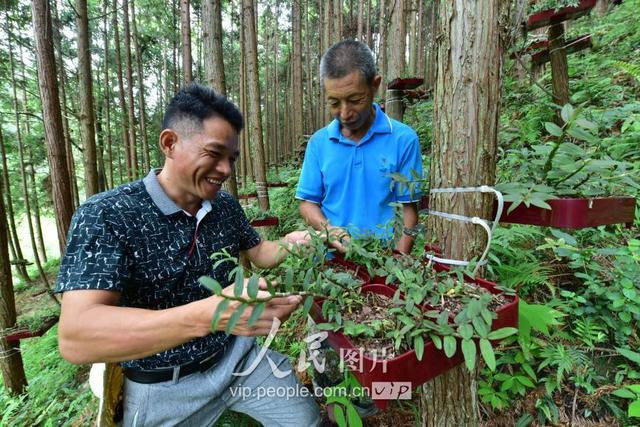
x=133, y=152
x=13, y=376
x=141, y=93
x=360, y=29
x=559, y=67
x=251, y=47
x=310, y=115
x=214, y=63
x=85, y=90
x=367, y=24
x=397, y=41
x=36, y=208
x=432, y=35
x=413, y=37
x=56, y=153
x=124, y=112
x=296, y=64
x=469, y=58
x=57, y=39
x=107, y=97
x=383, y=18
x=185, y=27
x=338, y=13
x=20, y=261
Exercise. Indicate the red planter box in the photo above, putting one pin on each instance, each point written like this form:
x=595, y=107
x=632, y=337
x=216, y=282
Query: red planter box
x=276, y=184
x=569, y=212
x=571, y=46
x=48, y=324
x=406, y=367
x=575, y=213
x=403, y=84
x=248, y=196
x=265, y=222
x=553, y=16
x=358, y=270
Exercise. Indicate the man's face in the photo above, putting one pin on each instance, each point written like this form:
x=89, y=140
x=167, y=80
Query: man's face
x=349, y=100
x=204, y=159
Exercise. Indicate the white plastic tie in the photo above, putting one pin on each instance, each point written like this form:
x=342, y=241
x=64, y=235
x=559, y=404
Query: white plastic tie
x=474, y=220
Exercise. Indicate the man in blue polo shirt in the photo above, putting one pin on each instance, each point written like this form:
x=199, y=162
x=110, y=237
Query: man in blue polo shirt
x=129, y=279
x=345, y=184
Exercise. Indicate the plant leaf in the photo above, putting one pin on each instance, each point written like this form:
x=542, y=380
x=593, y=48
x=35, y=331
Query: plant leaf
x=449, y=346
x=469, y=352
x=634, y=409
x=353, y=418
x=308, y=302
x=252, y=287
x=238, y=286
x=235, y=317
x=212, y=284
x=486, y=349
x=338, y=414
x=222, y=306
x=553, y=129
x=631, y=355
x=256, y=312
x=418, y=346
x=501, y=333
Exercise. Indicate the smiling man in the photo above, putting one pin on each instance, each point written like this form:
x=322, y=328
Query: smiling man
x=129, y=279
x=345, y=183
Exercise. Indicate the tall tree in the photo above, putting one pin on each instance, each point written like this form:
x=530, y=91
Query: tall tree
x=133, y=151
x=185, y=28
x=56, y=153
x=124, y=112
x=146, y=162
x=397, y=40
x=214, y=62
x=107, y=96
x=296, y=80
x=57, y=40
x=253, y=96
x=85, y=90
x=469, y=59
x=15, y=247
x=13, y=377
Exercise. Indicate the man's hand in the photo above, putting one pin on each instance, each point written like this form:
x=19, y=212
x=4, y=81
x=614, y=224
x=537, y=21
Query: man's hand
x=297, y=238
x=280, y=307
x=338, y=238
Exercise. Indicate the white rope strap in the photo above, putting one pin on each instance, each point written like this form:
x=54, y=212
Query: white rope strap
x=474, y=220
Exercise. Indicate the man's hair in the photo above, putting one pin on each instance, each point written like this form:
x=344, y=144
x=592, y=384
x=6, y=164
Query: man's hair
x=347, y=56
x=195, y=104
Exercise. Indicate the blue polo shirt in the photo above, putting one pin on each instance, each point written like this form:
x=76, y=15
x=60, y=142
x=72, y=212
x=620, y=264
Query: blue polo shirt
x=136, y=241
x=351, y=182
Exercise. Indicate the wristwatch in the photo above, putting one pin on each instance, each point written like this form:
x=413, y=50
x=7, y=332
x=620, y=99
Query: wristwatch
x=413, y=231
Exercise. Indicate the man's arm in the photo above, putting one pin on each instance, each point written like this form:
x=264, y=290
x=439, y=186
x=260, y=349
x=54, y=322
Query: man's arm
x=312, y=215
x=409, y=219
x=269, y=253
x=94, y=329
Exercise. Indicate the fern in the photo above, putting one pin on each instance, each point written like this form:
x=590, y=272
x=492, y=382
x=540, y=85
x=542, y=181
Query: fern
x=524, y=276
x=589, y=332
x=632, y=69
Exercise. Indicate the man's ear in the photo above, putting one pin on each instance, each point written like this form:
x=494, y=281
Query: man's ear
x=168, y=140
x=375, y=84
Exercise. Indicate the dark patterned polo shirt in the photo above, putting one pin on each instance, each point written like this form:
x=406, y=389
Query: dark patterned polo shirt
x=136, y=241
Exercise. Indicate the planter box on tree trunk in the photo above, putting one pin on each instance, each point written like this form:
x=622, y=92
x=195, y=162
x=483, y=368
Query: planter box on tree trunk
x=406, y=367
x=553, y=16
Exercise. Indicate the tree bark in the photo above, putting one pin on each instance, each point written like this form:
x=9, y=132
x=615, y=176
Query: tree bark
x=360, y=29
x=397, y=41
x=559, y=67
x=107, y=97
x=85, y=90
x=368, y=38
x=214, y=62
x=56, y=153
x=57, y=40
x=251, y=47
x=141, y=93
x=133, y=151
x=469, y=60
x=296, y=64
x=13, y=377
x=17, y=249
x=382, y=58
x=124, y=112
x=36, y=208
x=185, y=27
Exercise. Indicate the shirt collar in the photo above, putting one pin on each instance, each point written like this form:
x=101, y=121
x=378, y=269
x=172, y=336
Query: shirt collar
x=381, y=124
x=163, y=201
